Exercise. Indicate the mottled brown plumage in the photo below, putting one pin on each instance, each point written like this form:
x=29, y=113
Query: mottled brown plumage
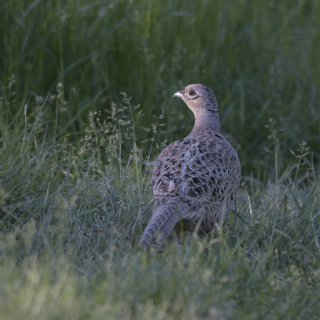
x=196, y=179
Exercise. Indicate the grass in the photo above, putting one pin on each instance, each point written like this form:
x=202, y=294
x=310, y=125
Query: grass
x=76, y=157
x=260, y=58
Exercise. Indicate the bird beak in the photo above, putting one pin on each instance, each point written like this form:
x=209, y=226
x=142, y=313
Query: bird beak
x=178, y=94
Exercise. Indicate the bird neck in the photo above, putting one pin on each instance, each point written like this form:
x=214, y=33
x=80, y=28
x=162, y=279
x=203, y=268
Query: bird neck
x=207, y=120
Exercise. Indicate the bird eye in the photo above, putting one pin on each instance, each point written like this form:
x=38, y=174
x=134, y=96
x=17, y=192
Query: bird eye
x=191, y=92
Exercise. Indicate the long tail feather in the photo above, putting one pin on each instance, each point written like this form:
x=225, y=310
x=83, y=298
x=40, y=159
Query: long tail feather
x=166, y=229
x=163, y=219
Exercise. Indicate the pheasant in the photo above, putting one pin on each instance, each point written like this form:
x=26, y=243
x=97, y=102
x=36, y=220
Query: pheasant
x=195, y=180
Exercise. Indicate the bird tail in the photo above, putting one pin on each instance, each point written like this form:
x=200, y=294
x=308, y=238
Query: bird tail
x=164, y=218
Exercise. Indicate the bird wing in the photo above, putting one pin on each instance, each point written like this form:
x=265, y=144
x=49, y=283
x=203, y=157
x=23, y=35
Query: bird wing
x=194, y=169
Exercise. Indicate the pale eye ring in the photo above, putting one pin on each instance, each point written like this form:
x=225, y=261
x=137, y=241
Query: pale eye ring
x=191, y=92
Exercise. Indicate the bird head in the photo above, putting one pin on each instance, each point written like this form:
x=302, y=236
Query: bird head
x=199, y=98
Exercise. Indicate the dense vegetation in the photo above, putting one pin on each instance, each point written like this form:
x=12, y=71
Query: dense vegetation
x=85, y=107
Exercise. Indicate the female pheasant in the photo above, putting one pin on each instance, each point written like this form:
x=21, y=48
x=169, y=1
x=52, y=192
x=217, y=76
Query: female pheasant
x=195, y=180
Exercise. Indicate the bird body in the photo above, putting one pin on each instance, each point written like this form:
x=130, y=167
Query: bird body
x=195, y=180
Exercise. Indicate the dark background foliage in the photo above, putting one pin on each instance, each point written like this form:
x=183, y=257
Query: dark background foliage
x=260, y=57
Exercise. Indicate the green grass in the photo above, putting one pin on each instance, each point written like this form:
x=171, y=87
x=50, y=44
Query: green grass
x=76, y=157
